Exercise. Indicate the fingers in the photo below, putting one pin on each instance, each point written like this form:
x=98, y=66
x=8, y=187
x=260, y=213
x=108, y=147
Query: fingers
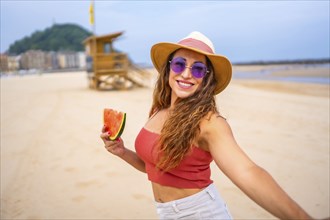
x=104, y=128
x=105, y=133
x=105, y=136
x=109, y=144
x=113, y=147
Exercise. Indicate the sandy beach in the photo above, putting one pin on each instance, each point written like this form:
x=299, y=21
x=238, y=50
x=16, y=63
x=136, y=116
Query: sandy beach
x=54, y=165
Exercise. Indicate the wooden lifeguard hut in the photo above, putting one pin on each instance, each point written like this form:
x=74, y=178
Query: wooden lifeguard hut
x=108, y=68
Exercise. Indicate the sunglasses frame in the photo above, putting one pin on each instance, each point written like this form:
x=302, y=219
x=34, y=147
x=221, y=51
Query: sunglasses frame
x=190, y=67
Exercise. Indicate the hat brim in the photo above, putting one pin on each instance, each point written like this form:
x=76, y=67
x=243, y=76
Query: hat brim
x=221, y=65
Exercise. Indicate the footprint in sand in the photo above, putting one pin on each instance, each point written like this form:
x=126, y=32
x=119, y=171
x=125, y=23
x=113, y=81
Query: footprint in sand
x=141, y=197
x=70, y=169
x=86, y=184
x=79, y=198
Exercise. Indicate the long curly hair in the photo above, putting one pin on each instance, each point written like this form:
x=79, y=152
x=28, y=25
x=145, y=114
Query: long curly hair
x=182, y=125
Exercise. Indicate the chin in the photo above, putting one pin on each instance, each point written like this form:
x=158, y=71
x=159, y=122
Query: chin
x=184, y=94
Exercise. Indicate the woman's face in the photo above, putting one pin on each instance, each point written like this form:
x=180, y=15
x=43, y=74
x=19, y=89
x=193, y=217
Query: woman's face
x=184, y=84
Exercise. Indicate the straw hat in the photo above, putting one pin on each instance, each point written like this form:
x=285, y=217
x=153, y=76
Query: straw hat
x=199, y=43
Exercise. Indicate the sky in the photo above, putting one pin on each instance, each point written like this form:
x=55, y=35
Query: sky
x=243, y=31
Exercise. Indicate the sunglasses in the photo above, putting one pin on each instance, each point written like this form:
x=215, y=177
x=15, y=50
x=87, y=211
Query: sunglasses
x=178, y=65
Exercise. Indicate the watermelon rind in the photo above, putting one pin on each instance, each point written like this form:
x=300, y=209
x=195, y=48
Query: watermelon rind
x=120, y=130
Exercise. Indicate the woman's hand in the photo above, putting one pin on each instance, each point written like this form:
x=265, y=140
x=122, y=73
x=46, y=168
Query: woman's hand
x=115, y=147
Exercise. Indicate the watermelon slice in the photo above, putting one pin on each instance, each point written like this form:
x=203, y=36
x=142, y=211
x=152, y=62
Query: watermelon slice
x=114, y=122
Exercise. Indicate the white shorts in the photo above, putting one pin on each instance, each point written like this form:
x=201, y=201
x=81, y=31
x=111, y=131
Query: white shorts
x=206, y=204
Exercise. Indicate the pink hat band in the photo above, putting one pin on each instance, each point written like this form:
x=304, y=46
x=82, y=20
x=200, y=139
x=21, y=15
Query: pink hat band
x=197, y=44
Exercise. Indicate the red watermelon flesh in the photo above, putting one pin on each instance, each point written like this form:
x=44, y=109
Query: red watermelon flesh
x=114, y=122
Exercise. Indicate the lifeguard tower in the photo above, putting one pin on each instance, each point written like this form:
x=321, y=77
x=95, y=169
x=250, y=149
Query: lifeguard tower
x=108, y=68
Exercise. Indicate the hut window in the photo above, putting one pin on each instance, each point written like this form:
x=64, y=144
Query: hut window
x=107, y=48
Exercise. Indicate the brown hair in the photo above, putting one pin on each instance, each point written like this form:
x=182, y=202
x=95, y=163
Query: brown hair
x=182, y=126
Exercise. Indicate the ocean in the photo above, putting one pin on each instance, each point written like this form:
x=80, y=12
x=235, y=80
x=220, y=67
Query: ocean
x=267, y=73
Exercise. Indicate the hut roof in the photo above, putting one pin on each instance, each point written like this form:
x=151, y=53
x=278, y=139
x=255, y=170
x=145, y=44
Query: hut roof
x=105, y=38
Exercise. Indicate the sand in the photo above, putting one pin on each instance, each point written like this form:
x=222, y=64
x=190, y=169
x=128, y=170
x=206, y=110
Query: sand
x=54, y=165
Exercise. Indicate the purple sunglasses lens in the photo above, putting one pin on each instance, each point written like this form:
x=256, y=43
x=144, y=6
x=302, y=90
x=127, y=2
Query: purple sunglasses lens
x=198, y=70
x=178, y=64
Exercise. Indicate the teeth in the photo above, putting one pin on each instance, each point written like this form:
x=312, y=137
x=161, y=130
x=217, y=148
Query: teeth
x=185, y=84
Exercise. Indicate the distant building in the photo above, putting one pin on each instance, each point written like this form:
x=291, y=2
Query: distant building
x=13, y=63
x=81, y=60
x=51, y=61
x=33, y=59
x=3, y=63
x=71, y=60
x=43, y=61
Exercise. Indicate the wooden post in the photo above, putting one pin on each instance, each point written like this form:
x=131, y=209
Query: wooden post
x=93, y=23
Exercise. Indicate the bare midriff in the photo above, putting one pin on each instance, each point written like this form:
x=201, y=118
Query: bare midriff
x=167, y=193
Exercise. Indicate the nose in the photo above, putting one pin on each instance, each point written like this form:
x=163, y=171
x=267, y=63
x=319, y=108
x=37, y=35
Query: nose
x=186, y=72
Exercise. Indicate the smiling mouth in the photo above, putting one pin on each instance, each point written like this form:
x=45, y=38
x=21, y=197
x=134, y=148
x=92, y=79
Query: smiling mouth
x=184, y=85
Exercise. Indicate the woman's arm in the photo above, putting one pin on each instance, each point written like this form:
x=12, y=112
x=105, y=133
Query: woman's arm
x=117, y=148
x=250, y=178
x=132, y=158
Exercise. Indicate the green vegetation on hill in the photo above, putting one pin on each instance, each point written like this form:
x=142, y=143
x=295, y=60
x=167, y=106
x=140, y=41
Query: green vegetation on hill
x=59, y=37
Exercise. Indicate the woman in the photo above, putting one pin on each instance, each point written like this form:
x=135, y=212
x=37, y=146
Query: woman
x=185, y=133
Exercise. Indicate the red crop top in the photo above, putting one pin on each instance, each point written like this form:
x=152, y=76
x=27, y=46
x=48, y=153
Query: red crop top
x=193, y=171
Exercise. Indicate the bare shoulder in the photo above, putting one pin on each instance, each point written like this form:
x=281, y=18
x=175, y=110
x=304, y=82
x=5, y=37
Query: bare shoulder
x=215, y=132
x=214, y=124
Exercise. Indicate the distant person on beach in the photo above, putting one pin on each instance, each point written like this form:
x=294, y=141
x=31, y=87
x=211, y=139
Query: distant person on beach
x=185, y=133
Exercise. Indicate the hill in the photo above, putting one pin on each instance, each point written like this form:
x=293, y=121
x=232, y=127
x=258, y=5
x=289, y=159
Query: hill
x=56, y=38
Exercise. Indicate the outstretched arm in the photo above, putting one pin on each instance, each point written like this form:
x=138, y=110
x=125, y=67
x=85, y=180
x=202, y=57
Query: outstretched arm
x=117, y=148
x=253, y=180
